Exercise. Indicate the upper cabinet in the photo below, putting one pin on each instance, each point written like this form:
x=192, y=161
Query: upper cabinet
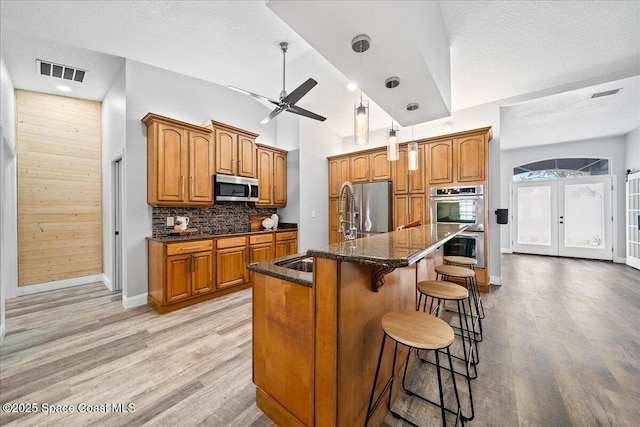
x=338, y=174
x=235, y=150
x=272, y=176
x=459, y=160
x=180, y=163
x=373, y=166
x=404, y=180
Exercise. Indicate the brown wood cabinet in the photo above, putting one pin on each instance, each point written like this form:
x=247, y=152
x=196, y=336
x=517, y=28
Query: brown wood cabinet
x=338, y=174
x=408, y=208
x=235, y=150
x=404, y=180
x=231, y=260
x=286, y=243
x=272, y=176
x=180, y=163
x=261, y=248
x=459, y=160
x=334, y=235
x=370, y=166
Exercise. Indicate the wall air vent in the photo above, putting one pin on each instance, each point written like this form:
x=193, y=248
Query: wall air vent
x=605, y=93
x=46, y=68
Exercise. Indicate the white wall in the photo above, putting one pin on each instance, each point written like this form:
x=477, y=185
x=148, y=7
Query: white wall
x=150, y=89
x=632, y=150
x=8, y=212
x=114, y=137
x=611, y=147
x=317, y=142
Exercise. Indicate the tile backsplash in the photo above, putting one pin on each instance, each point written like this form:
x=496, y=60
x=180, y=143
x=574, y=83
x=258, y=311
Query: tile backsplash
x=223, y=218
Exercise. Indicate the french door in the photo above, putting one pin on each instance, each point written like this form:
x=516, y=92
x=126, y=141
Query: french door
x=633, y=219
x=568, y=217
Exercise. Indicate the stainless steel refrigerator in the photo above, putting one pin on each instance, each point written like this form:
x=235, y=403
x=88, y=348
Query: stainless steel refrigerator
x=374, y=207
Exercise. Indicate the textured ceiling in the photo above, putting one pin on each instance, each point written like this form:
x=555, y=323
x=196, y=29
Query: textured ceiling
x=499, y=49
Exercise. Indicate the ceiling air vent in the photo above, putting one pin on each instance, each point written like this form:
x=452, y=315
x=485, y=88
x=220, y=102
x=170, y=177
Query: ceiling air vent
x=46, y=68
x=605, y=93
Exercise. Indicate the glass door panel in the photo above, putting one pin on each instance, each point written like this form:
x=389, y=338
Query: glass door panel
x=534, y=208
x=633, y=219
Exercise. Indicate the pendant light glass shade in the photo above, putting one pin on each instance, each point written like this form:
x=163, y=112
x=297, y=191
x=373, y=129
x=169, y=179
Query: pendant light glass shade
x=412, y=153
x=361, y=122
x=392, y=143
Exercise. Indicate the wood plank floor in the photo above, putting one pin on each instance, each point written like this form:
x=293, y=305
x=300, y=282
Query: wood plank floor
x=561, y=348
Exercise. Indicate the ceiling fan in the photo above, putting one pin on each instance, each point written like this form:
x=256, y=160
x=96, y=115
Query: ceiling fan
x=287, y=101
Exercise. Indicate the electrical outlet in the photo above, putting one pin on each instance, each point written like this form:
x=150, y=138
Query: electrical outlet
x=169, y=221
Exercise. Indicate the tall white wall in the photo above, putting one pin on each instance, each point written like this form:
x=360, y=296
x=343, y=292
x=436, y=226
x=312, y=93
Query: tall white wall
x=8, y=189
x=632, y=150
x=114, y=137
x=150, y=89
x=611, y=147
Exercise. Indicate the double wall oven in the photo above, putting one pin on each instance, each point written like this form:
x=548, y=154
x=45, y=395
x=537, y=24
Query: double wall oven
x=461, y=205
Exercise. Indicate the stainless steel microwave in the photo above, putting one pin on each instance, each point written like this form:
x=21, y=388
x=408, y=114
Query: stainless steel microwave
x=229, y=188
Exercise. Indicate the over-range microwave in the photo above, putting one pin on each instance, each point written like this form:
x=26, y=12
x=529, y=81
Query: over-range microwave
x=227, y=188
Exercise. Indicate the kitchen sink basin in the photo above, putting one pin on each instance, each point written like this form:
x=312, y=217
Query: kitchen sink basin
x=299, y=264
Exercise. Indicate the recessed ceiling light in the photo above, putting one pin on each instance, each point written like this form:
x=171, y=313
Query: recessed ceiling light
x=352, y=86
x=63, y=88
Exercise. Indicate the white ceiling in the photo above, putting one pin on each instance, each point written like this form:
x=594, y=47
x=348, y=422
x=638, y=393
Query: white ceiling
x=499, y=49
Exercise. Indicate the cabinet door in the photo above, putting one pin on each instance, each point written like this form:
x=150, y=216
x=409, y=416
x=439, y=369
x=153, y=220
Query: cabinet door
x=171, y=163
x=359, y=168
x=246, y=156
x=260, y=252
x=178, y=284
x=440, y=162
x=279, y=179
x=400, y=210
x=334, y=236
x=380, y=166
x=417, y=181
x=338, y=174
x=401, y=173
x=417, y=208
x=201, y=167
x=286, y=247
x=470, y=158
x=265, y=176
x=226, y=148
x=231, y=267
x=202, y=273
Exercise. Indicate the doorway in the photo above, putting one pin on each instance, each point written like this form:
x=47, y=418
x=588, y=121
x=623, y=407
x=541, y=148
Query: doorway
x=633, y=219
x=116, y=169
x=565, y=217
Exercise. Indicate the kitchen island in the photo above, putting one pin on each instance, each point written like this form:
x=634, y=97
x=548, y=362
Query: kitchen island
x=316, y=339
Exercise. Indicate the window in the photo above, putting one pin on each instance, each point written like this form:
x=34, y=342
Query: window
x=561, y=168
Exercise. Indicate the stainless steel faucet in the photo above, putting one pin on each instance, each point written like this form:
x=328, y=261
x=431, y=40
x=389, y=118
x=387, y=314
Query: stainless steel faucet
x=350, y=231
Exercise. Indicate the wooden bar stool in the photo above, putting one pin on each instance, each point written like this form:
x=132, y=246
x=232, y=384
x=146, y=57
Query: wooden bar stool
x=471, y=263
x=417, y=331
x=445, y=272
x=440, y=291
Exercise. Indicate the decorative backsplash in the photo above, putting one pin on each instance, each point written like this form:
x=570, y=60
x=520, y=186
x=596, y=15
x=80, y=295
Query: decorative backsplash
x=228, y=217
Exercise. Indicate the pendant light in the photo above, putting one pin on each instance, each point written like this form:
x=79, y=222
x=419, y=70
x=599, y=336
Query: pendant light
x=412, y=148
x=361, y=43
x=392, y=132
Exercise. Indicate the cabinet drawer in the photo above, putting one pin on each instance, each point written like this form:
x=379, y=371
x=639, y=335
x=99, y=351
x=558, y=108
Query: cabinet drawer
x=287, y=235
x=188, y=247
x=231, y=242
x=261, y=238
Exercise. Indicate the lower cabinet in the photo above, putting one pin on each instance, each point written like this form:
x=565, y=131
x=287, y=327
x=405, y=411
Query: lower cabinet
x=188, y=272
x=286, y=243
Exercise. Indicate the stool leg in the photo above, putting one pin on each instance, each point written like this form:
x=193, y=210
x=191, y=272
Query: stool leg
x=442, y=411
x=370, y=409
x=455, y=389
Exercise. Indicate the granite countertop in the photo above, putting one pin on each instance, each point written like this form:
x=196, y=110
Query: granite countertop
x=203, y=236
x=393, y=249
x=271, y=268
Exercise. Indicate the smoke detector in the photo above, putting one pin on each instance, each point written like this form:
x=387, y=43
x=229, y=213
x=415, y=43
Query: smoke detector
x=47, y=68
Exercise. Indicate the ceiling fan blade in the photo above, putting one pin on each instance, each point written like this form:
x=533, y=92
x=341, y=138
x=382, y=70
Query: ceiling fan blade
x=301, y=111
x=255, y=95
x=299, y=92
x=272, y=115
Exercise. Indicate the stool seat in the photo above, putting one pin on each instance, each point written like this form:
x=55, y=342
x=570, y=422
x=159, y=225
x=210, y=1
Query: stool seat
x=417, y=329
x=460, y=260
x=455, y=271
x=443, y=290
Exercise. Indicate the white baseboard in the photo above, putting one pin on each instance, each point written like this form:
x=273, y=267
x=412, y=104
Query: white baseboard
x=506, y=251
x=134, y=301
x=107, y=282
x=58, y=284
x=620, y=260
x=495, y=280
x=633, y=262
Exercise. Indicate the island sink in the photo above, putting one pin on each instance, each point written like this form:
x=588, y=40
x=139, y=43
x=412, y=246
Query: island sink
x=299, y=264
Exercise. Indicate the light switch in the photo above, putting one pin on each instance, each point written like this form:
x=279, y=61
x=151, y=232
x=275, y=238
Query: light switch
x=169, y=221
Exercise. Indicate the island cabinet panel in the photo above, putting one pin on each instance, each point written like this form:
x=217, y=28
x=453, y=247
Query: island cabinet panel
x=440, y=162
x=283, y=326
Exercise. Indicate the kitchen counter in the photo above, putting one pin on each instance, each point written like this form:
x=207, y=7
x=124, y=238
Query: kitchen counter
x=203, y=236
x=271, y=268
